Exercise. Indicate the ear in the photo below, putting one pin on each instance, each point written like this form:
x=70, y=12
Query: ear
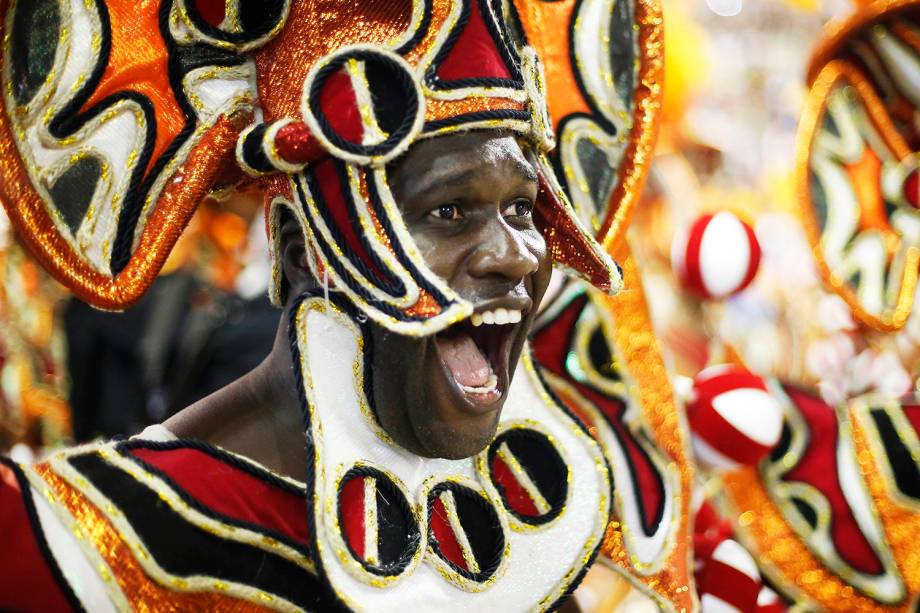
x=294, y=266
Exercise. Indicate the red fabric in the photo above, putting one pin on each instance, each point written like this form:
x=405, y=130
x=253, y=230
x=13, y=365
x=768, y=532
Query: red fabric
x=516, y=496
x=328, y=179
x=550, y=346
x=818, y=468
x=474, y=54
x=340, y=106
x=230, y=491
x=351, y=510
x=693, y=277
x=295, y=144
x=731, y=585
x=912, y=189
x=212, y=11
x=444, y=534
x=913, y=416
x=26, y=582
x=732, y=378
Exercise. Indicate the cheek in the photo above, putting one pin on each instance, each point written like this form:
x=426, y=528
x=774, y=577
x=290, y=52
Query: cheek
x=442, y=254
x=536, y=244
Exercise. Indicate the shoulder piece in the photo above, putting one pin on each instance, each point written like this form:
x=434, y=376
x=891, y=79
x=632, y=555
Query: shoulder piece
x=184, y=525
x=30, y=579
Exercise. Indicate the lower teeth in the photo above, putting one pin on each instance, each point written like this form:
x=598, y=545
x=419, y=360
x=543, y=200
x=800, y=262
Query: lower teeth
x=485, y=389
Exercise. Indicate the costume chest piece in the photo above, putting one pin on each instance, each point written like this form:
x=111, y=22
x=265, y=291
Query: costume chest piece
x=512, y=527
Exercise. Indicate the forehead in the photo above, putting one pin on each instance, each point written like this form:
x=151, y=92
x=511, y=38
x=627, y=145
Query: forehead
x=458, y=157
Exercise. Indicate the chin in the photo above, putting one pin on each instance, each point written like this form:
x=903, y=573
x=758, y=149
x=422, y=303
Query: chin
x=457, y=441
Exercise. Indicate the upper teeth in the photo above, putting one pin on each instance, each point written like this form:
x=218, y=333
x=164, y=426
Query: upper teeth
x=497, y=317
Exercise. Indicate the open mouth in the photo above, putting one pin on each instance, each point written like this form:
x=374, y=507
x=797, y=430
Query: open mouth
x=476, y=352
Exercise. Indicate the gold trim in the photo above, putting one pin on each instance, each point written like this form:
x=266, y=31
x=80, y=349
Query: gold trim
x=128, y=561
x=484, y=474
x=441, y=565
x=533, y=492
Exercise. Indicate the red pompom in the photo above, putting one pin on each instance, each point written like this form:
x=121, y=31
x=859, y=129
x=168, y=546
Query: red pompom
x=718, y=257
x=734, y=419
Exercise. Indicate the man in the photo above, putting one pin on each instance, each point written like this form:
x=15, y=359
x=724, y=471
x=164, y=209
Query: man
x=413, y=220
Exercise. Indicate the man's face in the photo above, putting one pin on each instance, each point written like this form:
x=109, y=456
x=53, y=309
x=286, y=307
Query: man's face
x=467, y=200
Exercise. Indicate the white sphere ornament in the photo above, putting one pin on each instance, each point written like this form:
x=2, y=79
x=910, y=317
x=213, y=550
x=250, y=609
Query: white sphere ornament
x=734, y=419
x=717, y=257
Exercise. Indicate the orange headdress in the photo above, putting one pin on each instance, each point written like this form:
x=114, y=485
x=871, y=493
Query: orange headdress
x=121, y=116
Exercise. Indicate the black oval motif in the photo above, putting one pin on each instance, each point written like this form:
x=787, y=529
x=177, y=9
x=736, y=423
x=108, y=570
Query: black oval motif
x=394, y=95
x=376, y=522
x=246, y=21
x=464, y=531
x=529, y=474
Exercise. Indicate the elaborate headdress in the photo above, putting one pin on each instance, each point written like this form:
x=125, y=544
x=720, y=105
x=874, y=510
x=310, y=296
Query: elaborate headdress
x=121, y=116
x=604, y=72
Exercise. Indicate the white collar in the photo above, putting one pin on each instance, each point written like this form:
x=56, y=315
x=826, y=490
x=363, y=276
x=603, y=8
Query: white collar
x=523, y=561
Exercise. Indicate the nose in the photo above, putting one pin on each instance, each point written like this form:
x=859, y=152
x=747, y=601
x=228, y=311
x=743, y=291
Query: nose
x=504, y=254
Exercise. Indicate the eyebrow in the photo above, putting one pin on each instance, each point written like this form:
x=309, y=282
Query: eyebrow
x=452, y=178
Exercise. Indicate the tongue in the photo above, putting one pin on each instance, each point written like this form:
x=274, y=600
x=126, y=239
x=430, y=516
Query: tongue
x=464, y=360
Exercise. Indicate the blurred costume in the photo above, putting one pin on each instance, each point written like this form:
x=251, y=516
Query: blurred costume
x=833, y=513
x=121, y=116
x=33, y=382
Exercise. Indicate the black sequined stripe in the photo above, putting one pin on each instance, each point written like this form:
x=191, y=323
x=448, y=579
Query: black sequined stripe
x=185, y=550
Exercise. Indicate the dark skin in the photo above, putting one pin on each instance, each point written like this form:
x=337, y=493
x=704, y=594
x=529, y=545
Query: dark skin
x=467, y=201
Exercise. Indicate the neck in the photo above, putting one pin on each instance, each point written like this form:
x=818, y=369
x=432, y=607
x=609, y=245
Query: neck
x=257, y=416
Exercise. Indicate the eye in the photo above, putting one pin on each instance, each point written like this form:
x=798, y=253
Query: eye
x=521, y=207
x=447, y=212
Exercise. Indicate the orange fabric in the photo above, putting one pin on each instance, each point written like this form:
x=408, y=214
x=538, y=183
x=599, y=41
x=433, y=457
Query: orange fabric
x=141, y=591
x=866, y=174
x=321, y=27
x=138, y=63
x=547, y=27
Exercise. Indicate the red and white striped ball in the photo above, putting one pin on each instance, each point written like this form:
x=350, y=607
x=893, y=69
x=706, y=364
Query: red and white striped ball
x=734, y=419
x=729, y=580
x=718, y=257
x=769, y=601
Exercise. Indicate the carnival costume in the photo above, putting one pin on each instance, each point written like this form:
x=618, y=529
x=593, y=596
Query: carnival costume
x=832, y=514
x=119, y=117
